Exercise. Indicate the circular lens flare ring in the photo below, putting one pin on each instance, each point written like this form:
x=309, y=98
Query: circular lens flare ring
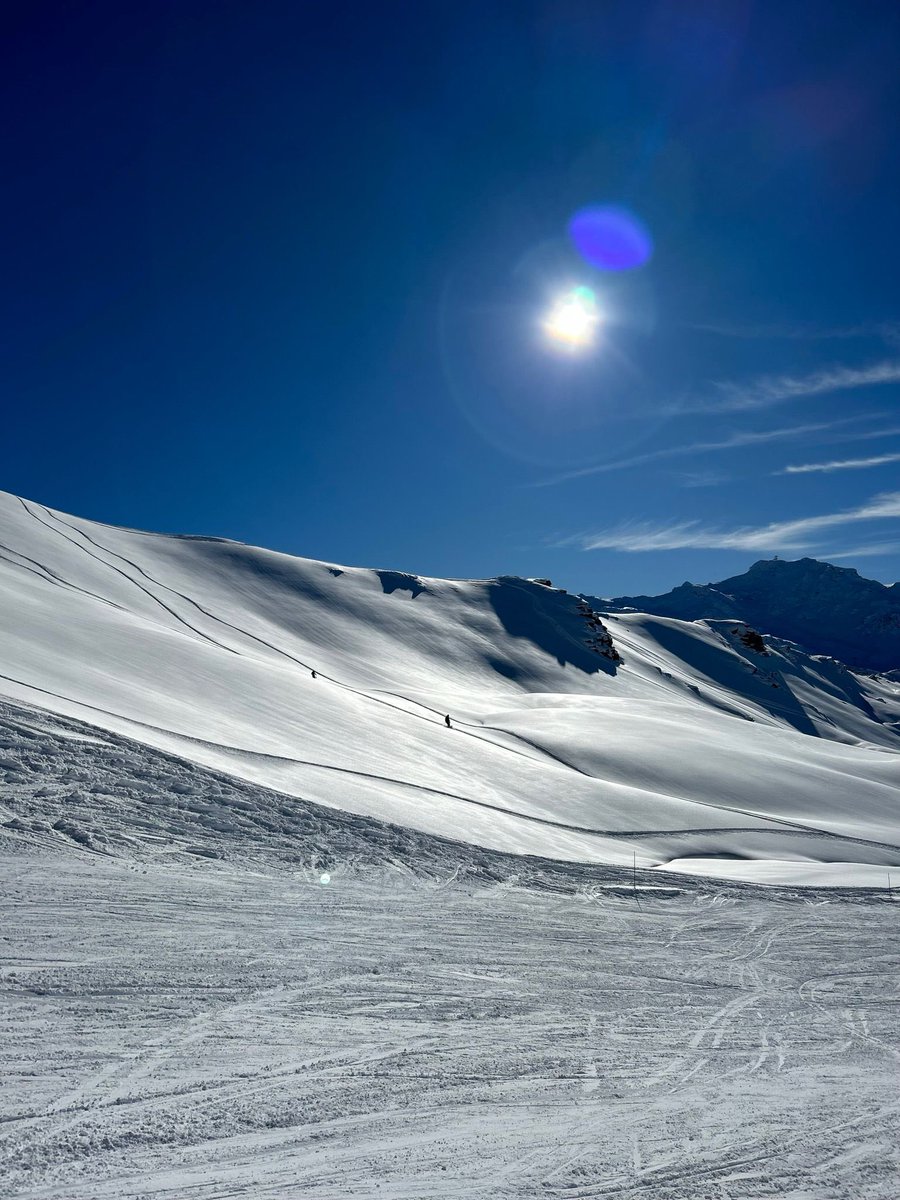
x=574, y=319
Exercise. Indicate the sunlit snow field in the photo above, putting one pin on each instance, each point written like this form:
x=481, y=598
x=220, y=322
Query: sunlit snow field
x=686, y=748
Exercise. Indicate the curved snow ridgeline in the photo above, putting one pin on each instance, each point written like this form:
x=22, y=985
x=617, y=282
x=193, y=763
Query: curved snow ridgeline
x=692, y=745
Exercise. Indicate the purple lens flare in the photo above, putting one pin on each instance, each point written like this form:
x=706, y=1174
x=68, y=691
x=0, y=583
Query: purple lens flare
x=610, y=238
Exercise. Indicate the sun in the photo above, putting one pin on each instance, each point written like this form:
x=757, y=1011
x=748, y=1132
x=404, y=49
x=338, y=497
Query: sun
x=573, y=320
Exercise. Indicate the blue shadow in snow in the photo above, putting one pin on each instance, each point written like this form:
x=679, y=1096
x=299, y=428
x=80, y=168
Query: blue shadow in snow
x=550, y=620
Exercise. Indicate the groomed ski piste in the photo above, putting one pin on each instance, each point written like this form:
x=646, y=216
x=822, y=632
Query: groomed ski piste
x=626, y=928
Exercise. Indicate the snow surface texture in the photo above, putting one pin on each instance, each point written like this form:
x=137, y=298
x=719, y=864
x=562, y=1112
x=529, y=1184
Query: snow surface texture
x=269, y=936
x=212, y=1032
x=830, y=610
x=574, y=737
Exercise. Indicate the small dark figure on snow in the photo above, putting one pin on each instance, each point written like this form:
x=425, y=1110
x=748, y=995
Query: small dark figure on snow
x=313, y=674
x=447, y=720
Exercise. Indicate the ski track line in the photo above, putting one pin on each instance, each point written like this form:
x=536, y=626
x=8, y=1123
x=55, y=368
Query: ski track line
x=715, y=689
x=81, y=1102
x=72, y=1106
x=730, y=706
x=347, y=687
x=50, y=576
x=719, y=1022
x=514, y=813
x=651, y=1177
x=378, y=700
x=307, y=763
x=214, y=1093
x=272, y=647
x=664, y=1175
x=125, y=575
x=808, y=992
x=588, y=1133
x=808, y=829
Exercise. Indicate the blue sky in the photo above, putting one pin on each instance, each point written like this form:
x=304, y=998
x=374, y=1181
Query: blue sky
x=277, y=272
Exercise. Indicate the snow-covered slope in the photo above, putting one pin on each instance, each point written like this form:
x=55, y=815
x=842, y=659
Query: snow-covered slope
x=692, y=746
x=829, y=610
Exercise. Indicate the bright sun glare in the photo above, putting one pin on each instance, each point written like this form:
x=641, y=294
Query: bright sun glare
x=573, y=320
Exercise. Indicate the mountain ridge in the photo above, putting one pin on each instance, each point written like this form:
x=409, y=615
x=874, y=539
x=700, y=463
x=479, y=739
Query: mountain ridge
x=829, y=610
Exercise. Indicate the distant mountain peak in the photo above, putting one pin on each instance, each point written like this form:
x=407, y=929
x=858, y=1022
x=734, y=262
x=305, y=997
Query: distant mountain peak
x=799, y=566
x=830, y=610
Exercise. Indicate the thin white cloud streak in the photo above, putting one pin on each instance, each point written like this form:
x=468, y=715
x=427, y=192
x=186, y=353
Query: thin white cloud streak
x=641, y=537
x=733, y=442
x=867, y=551
x=871, y=435
x=770, y=390
x=702, y=479
x=843, y=464
x=888, y=331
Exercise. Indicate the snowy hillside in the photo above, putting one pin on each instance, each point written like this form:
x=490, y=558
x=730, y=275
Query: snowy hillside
x=694, y=746
x=829, y=610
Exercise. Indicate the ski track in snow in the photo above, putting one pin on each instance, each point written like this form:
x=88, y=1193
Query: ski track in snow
x=189, y=1013
x=218, y=1030
x=468, y=1008
x=464, y=726
x=206, y=650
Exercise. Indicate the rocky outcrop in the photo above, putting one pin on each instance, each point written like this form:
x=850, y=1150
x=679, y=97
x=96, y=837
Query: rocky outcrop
x=598, y=638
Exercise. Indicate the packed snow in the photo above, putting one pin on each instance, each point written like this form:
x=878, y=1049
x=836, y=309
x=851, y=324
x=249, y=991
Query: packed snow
x=268, y=934
x=213, y=1031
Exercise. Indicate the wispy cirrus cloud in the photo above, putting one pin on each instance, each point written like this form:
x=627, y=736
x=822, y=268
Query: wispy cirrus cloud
x=766, y=391
x=886, y=331
x=872, y=550
x=841, y=464
x=702, y=479
x=800, y=534
x=733, y=441
x=868, y=435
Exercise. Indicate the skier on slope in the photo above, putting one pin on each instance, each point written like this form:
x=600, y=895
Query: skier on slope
x=447, y=721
